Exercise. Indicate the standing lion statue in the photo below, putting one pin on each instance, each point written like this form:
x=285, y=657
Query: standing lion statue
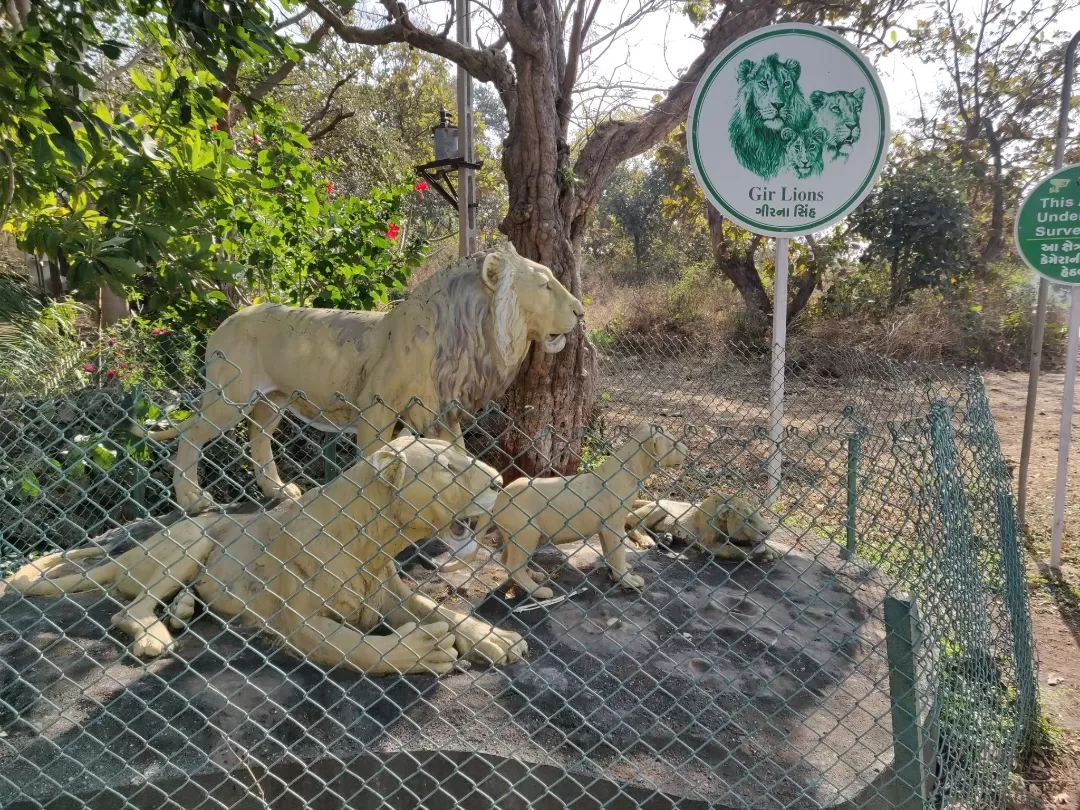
x=317, y=574
x=460, y=337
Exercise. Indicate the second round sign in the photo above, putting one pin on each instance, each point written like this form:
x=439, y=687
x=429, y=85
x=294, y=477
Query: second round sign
x=788, y=130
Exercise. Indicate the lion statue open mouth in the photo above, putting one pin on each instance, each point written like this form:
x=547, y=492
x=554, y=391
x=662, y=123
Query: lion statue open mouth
x=317, y=575
x=460, y=337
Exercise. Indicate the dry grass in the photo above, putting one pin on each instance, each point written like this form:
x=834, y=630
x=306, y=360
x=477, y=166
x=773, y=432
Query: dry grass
x=989, y=326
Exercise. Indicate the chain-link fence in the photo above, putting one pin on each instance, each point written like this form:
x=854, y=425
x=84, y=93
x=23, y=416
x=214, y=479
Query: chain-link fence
x=863, y=641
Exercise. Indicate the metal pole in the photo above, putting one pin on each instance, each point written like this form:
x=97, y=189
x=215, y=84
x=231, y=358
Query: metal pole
x=776, y=383
x=466, y=176
x=1065, y=438
x=852, y=492
x=1039, y=330
x=902, y=639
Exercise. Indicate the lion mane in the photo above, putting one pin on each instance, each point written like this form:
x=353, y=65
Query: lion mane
x=769, y=99
x=456, y=341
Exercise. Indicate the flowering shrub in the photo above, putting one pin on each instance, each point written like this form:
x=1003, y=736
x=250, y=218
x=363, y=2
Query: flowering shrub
x=307, y=246
x=148, y=353
x=172, y=217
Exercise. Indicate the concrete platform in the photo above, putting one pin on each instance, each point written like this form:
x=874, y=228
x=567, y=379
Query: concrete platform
x=722, y=686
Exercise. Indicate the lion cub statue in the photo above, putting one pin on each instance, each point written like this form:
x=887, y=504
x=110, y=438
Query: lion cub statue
x=566, y=510
x=728, y=527
x=318, y=574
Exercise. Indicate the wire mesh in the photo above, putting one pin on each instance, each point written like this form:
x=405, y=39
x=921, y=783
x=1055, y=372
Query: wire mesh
x=728, y=655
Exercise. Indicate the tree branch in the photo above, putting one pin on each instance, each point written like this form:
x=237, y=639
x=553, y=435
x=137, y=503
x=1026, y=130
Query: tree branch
x=573, y=62
x=321, y=114
x=293, y=20
x=120, y=70
x=9, y=195
x=615, y=141
x=340, y=116
x=278, y=76
x=484, y=65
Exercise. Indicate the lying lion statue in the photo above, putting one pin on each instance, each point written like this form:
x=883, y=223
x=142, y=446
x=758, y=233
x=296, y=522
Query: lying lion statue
x=726, y=526
x=318, y=573
x=459, y=337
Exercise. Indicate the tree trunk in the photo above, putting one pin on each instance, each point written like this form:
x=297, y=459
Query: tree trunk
x=803, y=291
x=112, y=308
x=551, y=400
x=739, y=268
x=995, y=242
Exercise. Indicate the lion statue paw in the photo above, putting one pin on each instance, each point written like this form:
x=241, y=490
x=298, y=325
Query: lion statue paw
x=427, y=648
x=490, y=645
x=628, y=581
x=181, y=610
x=196, y=502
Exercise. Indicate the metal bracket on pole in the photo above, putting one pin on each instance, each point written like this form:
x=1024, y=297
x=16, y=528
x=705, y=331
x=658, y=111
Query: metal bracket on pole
x=1039, y=329
x=437, y=173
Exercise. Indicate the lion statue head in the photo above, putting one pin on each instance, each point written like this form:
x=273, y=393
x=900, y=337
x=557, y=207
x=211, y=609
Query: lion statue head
x=488, y=310
x=736, y=529
x=838, y=115
x=769, y=99
x=658, y=442
x=431, y=486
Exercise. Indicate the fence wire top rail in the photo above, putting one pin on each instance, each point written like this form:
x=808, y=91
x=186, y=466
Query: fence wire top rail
x=766, y=680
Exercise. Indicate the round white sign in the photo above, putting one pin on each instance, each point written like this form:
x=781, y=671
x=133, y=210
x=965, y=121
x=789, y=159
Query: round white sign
x=788, y=130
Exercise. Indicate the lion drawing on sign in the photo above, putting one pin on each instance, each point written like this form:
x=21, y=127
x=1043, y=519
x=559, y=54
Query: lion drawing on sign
x=838, y=114
x=769, y=99
x=316, y=574
x=726, y=526
x=459, y=337
x=803, y=153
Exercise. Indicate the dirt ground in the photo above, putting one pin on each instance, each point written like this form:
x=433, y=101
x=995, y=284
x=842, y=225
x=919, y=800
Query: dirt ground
x=1055, y=596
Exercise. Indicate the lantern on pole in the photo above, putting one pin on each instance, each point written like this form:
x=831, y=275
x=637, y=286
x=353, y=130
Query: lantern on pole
x=448, y=160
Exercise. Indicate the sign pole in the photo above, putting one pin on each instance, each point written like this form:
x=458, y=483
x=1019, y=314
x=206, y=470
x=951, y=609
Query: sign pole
x=779, y=361
x=1066, y=430
x=1039, y=328
x=466, y=175
x=793, y=163
x=1044, y=234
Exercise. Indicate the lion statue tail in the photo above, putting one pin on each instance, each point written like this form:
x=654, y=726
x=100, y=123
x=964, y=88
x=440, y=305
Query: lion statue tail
x=32, y=579
x=155, y=435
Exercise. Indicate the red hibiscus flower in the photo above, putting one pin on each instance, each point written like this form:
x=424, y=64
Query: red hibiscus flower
x=421, y=186
x=110, y=374
x=393, y=231
x=329, y=188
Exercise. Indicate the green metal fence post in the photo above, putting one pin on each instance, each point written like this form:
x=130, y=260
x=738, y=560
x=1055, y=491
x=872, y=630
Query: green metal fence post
x=902, y=643
x=990, y=457
x=853, y=443
x=329, y=457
